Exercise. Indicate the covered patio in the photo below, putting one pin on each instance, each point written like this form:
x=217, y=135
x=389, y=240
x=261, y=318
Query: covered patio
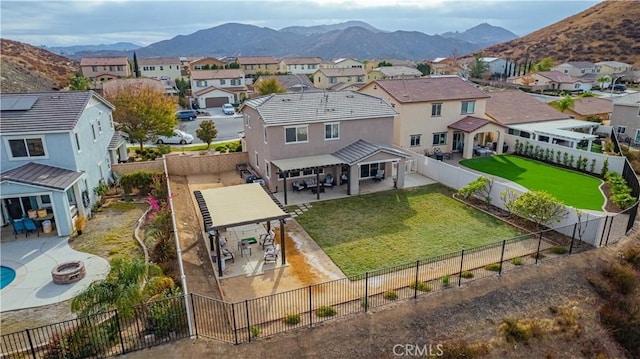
x=232, y=218
x=567, y=133
x=473, y=135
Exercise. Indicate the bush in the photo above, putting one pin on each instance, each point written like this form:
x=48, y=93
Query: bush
x=292, y=319
x=255, y=331
x=445, y=280
x=514, y=331
x=517, y=261
x=421, y=286
x=467, y=274
x=559, y=250
x=326, y=311
x=494, y=267
x=390, y=295
x=632, y=255
x=622, y=277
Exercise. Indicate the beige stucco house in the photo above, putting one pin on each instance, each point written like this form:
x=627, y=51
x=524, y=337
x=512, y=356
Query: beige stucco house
x=612, y=67
x=626, y=116
x=393, y=72
x=253, y=65
x=205, y=63
x=427, y=107
x=212, y=88
x=299, y=65
x=551, y=80
x=325, y=78
x=101, y=69
x=160, y=68
x=343, y=63
x=576, y=68
x=344, y=135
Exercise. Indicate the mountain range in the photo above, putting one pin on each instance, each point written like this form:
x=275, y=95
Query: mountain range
x=70, y=50
x=349, y=39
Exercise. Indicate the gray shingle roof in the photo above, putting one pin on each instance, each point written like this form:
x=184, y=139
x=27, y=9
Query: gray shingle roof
x=42, y=175
x=362, y=149
x=310, y=107
x=117, y=140
x=52, y=112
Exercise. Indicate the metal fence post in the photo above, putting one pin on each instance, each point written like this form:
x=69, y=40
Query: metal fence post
x=235, y=327
x=366, y=291
x=606, y=243
x=246, y=306
x=33, y=351
x=573, y=237
x=504, y=242
x=310, y=308
x=460, y=273
x=415, y=289
x=195, y=323
x=538, y=251
x=120, y=333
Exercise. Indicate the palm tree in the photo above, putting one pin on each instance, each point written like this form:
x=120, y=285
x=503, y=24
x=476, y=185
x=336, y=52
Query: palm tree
x=603, y=80
x=564, y=103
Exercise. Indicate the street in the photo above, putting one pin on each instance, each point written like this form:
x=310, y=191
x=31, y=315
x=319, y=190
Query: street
x=228, y=126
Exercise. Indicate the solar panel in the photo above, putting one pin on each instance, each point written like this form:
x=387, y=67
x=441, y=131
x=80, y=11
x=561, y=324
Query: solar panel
x=17, y=103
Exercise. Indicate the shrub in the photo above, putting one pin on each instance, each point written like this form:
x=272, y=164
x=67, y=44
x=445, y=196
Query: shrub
x=517, y=261
x=390, y=295
x=292, y=319
x=559, y=250
x=255, y=331
x=592, y=166
x=221, y=148
x=467, y=274
x=421, y=286
x=622, y=277
x=494, y=267
x=605, y=168
x=514, y=331
x=445, y=280
x=632, y=255
x=326, y=311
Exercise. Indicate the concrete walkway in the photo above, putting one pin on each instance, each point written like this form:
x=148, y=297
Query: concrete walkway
x=33, y=259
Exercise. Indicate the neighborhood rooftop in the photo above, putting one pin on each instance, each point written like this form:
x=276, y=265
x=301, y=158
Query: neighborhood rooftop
x=103, y=61
x=252, y=60
x=430, y=89
x=41, y=175
x=302, y=60
x=318, y=107
x=592, y=105
x=216, y=74
x=514, y=107
x=158, y=60
x=351, y=71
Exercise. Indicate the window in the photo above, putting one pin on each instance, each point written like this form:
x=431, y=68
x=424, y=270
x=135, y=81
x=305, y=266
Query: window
x=295, y=134
x=45, y=200
x=436, y=109
x=93, y=131
x=94, y=68
x=235, y=82
x=246, y=120
x=71, y=196
x=331, y=131
x=360, y=78
x=621, y=129
x=111, y=121
x=267, y=169
x=638, y=112
x=637, y=138
x=265, y=135
x=201, y=83
x=415, y=140
x=99, y=127
x=370, y=170
x=223, y=82
x=468, y=107
x=257, y=160
x=112, y=68
x=333, y=80
x=161, y=68
x=576, y=86
x=77, y=141
x=27, y=147
x=120, y=68
x=440, y=138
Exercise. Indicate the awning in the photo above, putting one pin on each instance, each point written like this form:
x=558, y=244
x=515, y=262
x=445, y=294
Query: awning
x=307, y=162
x=36, y=174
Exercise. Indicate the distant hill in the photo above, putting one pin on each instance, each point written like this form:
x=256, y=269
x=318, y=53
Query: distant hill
x=483, y=35
x=27, y=68
x=70, y=50
x=247, y=40
x=607, y=31
x=322, y=29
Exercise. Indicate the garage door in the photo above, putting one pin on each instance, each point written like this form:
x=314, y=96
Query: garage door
x=215, y=101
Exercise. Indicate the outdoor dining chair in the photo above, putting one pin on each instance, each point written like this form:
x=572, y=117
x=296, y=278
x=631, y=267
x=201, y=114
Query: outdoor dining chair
x=30, y=226
x=18, y=226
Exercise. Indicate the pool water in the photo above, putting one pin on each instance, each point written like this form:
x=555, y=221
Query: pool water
x=7, y=275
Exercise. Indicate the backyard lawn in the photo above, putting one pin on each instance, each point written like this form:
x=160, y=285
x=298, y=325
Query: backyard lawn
x=572, y=188
x=383, y=229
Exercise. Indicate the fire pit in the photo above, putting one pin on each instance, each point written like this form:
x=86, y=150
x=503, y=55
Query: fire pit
x=68, y=272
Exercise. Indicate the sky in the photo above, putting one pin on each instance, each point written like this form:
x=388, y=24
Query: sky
x=92, y=22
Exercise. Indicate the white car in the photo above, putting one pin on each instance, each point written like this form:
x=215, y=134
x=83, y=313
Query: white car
x=228, y=109
x=180, y=137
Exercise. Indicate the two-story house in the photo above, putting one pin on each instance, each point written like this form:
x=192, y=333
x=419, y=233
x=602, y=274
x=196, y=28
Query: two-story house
x=612, y=67
x=375, y=63
x=56, y=148
x=576, y=68
x=214, y=88
x=299, y=65
x=625, y=117
x=343, y=63
x=344, y=134
x=205, y=63
x=551, y=80
x=254, y=65
x=393, y=72
x=326, y=78
x=101, y=69
x=160, y=68
x=291, y=83
x=428, y=107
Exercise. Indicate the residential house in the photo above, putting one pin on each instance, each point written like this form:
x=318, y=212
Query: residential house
x=375, y=63
x=345, y=86
x=300, y=65
x=205, y=63
x=587, y=108
x=160, y=68
x=56, y=148
x=292, y=83
x=625, y=117
x=447, y=66
x=527, y=118
x=393, y=72
x=576, y=68
x=344, y=134
x=428, y=107
x=256, y=65
x=496, y=66
x=185, y=61
x=325, y=78
x=114, y=86
x=551, y=80
x=214, y=88
x=612, y=67
x=343, y=63
x=101, y=69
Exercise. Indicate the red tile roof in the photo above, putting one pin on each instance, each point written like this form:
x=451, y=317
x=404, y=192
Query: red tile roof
x=515, y=107
x=216, y=74
x=469, y=124
x=592, y=106
x=430, y=89
x=104, y=61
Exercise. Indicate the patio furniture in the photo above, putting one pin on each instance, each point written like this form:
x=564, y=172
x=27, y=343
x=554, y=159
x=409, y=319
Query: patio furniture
x=379, y=175
x=297, y=186
x=18, y=226
x=267, y=239
x=271, y=254
x=315, y=190
x=310, y=183
x=343, y=178
x=328, y=182
x=226, y=254
x=243, y=245
x=30, y=226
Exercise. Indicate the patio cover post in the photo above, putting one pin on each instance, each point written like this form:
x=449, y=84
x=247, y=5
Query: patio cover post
x=318, y=182
x=286, y=173
x=218, y=256
x=284, y=255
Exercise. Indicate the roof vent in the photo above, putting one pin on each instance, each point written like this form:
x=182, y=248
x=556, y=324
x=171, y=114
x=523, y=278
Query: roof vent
x=43, y=177
x=350, y=96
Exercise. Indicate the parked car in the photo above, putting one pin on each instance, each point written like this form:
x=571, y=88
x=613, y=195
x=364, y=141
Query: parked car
x=180, y=137
x=186, y=115
x=620, y=88
x=228, y=109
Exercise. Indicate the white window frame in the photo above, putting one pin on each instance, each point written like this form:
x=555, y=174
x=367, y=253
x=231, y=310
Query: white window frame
x=621, y=129
x=440, y=138
x=93, y=132
x=415, y=140
x=265, y=135
x=267, y=169
x=462, y=107
x=247, y=120
x=437, y=108
x=24, y=139
x=636, y=139
x=99, y=126
x=77, y=137
x=297, y=140
x=257, y=159
x=332, y=124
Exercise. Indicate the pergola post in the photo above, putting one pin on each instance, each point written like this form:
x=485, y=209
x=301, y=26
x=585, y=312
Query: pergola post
x=318, y=183
x=284, y=255
x=218, y=256
x=285, y=185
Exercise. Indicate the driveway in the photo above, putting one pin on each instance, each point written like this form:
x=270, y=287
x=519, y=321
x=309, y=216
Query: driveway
x=228, y=126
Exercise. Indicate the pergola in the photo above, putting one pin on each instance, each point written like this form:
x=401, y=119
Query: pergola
x=227, y=207
x=560, y=131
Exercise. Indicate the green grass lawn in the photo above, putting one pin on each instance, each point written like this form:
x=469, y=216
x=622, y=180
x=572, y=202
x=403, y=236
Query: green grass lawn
x=572, y=188
x=383, y=229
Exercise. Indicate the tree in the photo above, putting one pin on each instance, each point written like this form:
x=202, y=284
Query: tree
x=233, y=65
x=384, y=64
x=603, y=80
x=540, y=207
x=543, y=65
x=424, y=68
x=136, y=68
x=269, y=86
x=564, y=103
x=78, y=83
x=207, y=132
x=143, y=112
x=478, y=66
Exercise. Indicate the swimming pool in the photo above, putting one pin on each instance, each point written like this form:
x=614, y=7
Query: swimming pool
x=7, y=275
